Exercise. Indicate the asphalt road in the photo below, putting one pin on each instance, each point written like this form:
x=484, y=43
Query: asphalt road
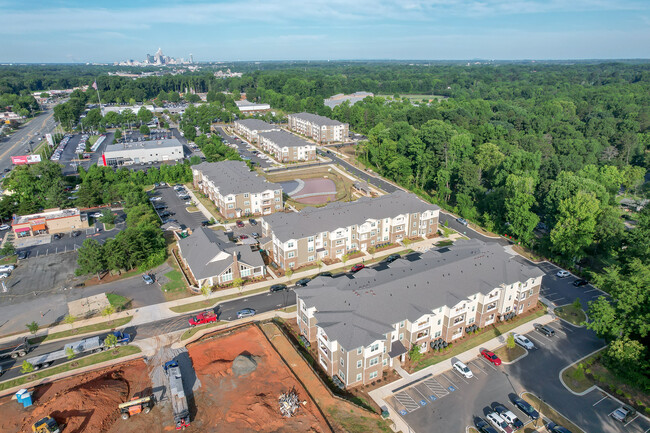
x=19, y=142
x=226, y=311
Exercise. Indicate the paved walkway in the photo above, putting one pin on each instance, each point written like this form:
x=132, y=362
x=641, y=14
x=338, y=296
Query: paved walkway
x=380, y=395
x=200, y=206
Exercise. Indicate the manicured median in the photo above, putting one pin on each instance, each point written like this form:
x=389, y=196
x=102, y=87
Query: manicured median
x=82, y=330
x=116, y=353
x=207, y=303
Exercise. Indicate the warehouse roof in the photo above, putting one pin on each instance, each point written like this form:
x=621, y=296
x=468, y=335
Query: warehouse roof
x=148, y=144
x=358, y=310
x=312, y=220
x=234, y=177
x=285, y=139
x=316, y=119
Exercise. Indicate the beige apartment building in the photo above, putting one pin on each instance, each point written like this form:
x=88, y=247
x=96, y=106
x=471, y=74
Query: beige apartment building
x=286, y=147
x=302, y=238
x=363, y=325
x=250, y=128
x=320, y=128
x=235, y=190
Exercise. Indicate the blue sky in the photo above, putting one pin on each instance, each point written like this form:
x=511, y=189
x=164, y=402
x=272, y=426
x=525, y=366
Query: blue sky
x=112, y=30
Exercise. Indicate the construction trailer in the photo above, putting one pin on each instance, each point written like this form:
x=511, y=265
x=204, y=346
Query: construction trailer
x=91, y=344
x=136, y=406
x=177, y=394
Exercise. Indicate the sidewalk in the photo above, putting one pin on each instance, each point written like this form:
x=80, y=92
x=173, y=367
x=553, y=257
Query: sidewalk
x=200, y=206
x=380, y=395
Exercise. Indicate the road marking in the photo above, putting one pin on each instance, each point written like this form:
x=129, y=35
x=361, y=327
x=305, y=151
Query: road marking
x=535, y=340
x=435, y=387
x=425, y=397
x=460, y=375
x=635, y=417
x=604, y=398
x=407, y=401
x=485, y=361
x=473, y=363
x=448, y=380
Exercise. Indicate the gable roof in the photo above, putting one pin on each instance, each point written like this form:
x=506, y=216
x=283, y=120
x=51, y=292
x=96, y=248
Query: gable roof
x=312, y=220
x=208, y=253
x=234, y=177
x=359, y=309
x=257, y=125
x=316, y=119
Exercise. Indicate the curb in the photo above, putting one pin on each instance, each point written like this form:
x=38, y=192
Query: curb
x=526, y=351
x=591, y=388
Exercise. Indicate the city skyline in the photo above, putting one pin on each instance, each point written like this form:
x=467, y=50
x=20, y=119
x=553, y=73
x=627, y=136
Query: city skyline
x=68, y=31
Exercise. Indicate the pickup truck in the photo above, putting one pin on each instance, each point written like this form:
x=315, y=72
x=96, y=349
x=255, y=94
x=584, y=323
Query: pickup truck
x=201, y=318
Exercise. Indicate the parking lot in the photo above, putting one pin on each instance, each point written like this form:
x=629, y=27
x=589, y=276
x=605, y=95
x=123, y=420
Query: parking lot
x=247, y=230
x=177, y=207
x=243, y=150
x=70, y=153
x=448, y=402
x=561, y=291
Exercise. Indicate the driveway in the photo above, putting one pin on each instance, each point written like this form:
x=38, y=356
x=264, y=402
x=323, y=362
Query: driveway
x=177, y=206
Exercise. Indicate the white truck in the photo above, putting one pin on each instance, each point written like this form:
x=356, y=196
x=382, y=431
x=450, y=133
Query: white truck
x=179, y=401
x=90, y=344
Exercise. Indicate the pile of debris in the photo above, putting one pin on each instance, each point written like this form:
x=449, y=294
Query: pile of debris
x=289, y=403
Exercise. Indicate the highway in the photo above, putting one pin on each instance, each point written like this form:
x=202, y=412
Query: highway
x=19, y=142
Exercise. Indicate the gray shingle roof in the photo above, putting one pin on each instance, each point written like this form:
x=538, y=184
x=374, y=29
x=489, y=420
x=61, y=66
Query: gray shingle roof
x=256, y=125
x=312, y=220
x=204, y=244
x=316, y=119
x=358, y=310
x=285, y=139
x=234, y=177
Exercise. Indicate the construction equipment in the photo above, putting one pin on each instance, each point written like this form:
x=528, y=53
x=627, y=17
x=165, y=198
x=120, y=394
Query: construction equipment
x=135, y=406
x=179, y=402
x=46, y=425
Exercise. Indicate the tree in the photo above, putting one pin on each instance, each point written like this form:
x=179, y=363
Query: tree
x=107, y=217
x=69, y=319
x=144, y=130
x=577, y=304
x=319, y=263
x=239, y=283
x=510, y=342
x=118, y=135
x=518, y=203
x=69, y=351
x=289, y=274
x=206, y=291
x=110, y=341
x=26, y=367
x=90, y=258
x=108, y=311
x=414, y=353
x=8, y=249
x=576, y=225
x=144, y=115
x=32, y=327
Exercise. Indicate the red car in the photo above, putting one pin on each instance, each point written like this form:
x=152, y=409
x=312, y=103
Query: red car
x=357, y=268
x=490, y=356
x=205, y=317
x=239, y=223
x=243, y=237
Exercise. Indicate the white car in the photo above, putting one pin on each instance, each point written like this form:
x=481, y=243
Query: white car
x=499, y=423
x=461, y=368
x=523, y=341
x=4, y=275
x=4, y=227
x=155, y=199
x=563, y=273
x=96, y=215
x=7, y=268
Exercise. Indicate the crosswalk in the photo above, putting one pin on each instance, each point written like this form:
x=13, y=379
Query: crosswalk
x=407, y=401
x=435, y=387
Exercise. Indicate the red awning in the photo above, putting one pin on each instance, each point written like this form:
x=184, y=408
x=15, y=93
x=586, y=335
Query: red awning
x=38, y=227
x=21, y=229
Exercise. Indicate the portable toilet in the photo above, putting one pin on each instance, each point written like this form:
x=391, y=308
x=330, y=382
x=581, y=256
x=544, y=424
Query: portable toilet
x=25, y=397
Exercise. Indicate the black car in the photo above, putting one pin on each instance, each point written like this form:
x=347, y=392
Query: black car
x=580, y=282
x=57, y=236
x=526, y=408
x=392, y=258
x=483, y=426
x=303, y=282
x=205, y=223
x=549, y=332
x=252, y=221
x=325, y=274
x=23, y=255
x=160, y=206
x=277, y=288
x=76, y=233
x=554, y=428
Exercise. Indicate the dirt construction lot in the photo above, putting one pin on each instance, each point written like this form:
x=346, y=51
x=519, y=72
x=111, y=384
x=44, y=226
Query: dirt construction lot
x=249, y=402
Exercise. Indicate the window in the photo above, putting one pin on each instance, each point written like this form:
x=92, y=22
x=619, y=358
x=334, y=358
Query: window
x=359, y=350
x=384, y=362
x=437, y=334
x=522, y=296
x=530, y=293
x=507, y=309
x=339, y=242
x=290, y=245
x=292, y=264
x=401, y=324
x=342, y=350
x=359, y=363
x=310, y=239
x=439, y=321
x=342, y=362
x=247, y=203
x=373, y=375
x=359, y=377
x=310, y=258
x=374, y=347
x=230, y=205
x=342, y=375
x=310, y=249
x=245, y=195
x=401, y=336
x=291, y=254
x=354, y=236
x=304, y=318
x=374, y=361
x=277, y=199
x=470, y=321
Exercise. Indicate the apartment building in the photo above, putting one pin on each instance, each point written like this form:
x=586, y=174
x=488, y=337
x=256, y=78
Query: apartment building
x=235, y=190
x=320, y=128
x=250, y=128
x=286, y=147
x=302, y=238
x=362, y=325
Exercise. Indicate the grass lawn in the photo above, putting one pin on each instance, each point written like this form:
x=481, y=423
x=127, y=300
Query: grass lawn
x=192, y=209
x=206, y=303
x=291, y=309
x=209, y=205
x=118, y=352
x=175, y=286
x=190, y=332
x=490, y=333
x=358, y=424
x=509, y=355
x=574, y=377
x=571, y=314
x=109, y=226
x=9, y=260
x=118, y=301
x=82, y=330
x=551, y=413
x=92, y=139
x=472, y=430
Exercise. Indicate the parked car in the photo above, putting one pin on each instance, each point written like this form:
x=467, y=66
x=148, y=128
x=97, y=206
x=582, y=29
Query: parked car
x=357, y=267
x=76, y=233
x=160, y=206
x=303, y=282
x=491, y=357
x=252, y=221
x=498, y=423
x=147, y=279
x=277, y=288
x=255, y=235
x=246, y=312
x=155, y=198
x=96, y=215
x=523, y=341
x=563, y=273
x=22, y=255
x=201, y=318
x=4, y=275
x=392, y=258
x=205, y=223
x=242, y=237
x=325, y=274
x=554, y=428
x=239, y=223
x=4, y=227
x=7, y=268
x=463, y=369
x=184, y=197
x=463, y=221
x=526, y=408
x=580, y=282
x=509, y=416
x=623, y=414
x=549, y=332
x=483, y=426
x=57, y=236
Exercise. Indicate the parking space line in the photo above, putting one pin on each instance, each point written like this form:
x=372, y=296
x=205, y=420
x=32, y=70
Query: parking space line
x=489, y=364
x=435, y=387
x=424, y=401
x=632, y=420
x=473, y=363
x=405, y=400
x=604, y=398
x=458, y=375
x=530, y=337
x=539, y=334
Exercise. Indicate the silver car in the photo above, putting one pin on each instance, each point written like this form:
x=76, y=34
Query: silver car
x=523, y=341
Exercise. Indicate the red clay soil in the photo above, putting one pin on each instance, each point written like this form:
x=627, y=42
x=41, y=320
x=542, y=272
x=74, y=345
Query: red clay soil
x=249, y=403
x=83, y=403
